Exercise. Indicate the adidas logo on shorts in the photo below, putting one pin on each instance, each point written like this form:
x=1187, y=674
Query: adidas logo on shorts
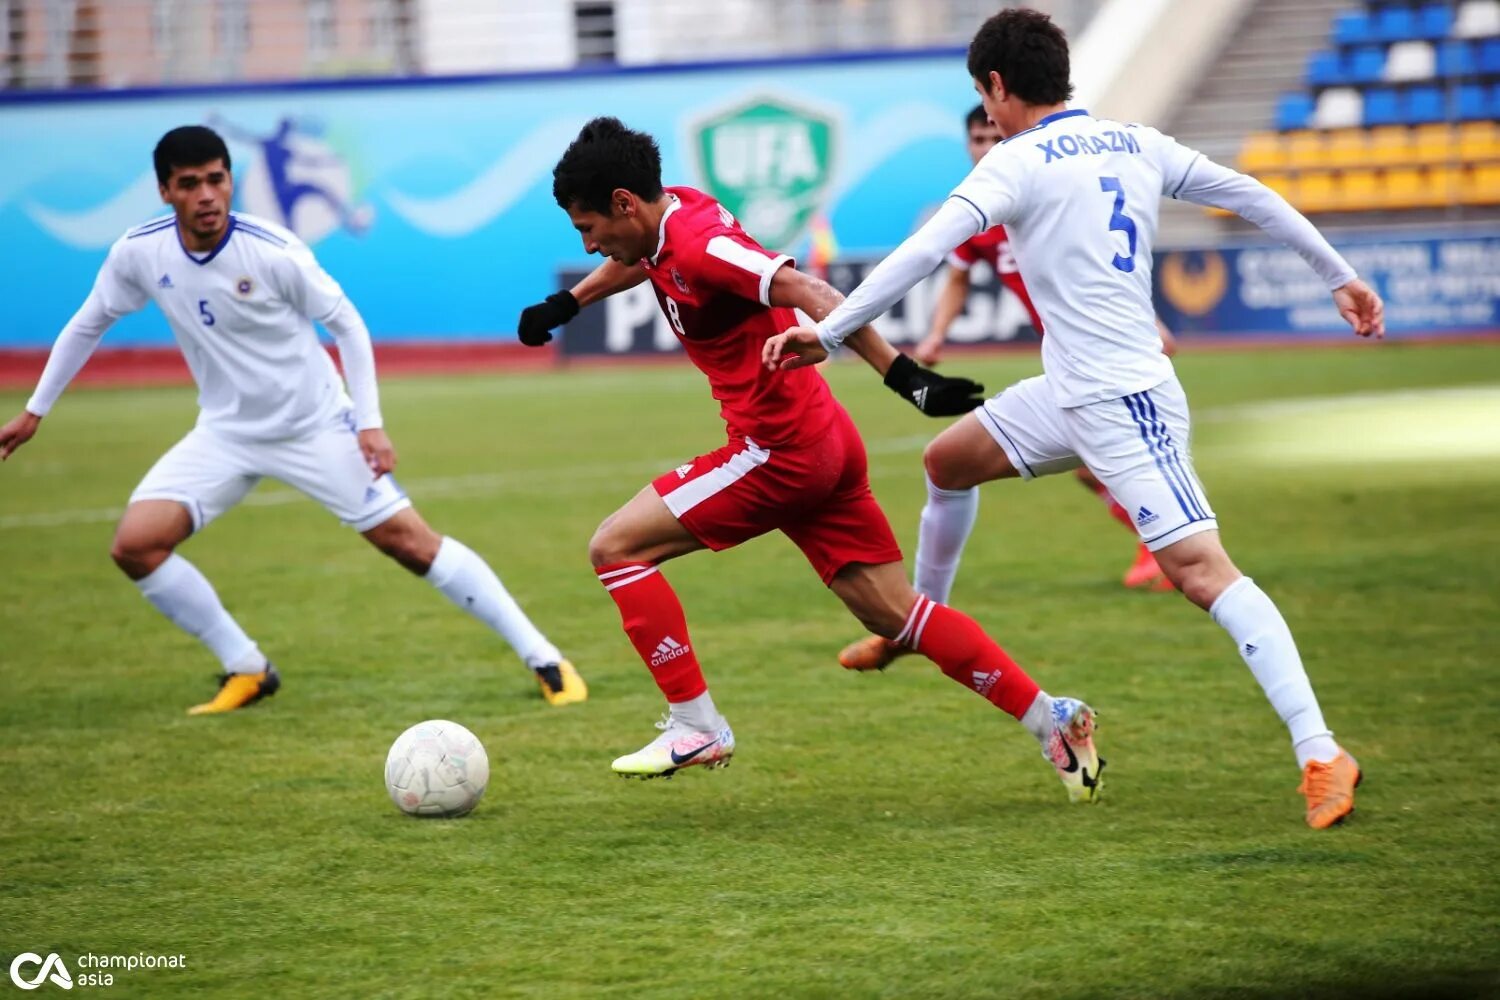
x=669, y=649
x=1143, y=517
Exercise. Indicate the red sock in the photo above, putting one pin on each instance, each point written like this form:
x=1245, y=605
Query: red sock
x=960, y=648
x=652, y=617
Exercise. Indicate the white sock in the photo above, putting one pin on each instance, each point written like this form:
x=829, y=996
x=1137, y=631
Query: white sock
x=467, y=580
x=698, y=713
x=1038, y=718
x=178, y=590
x=947, y=519
x=1267, y=646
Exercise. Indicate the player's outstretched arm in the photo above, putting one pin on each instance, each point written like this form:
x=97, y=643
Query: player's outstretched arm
x=17, y=431
x=935, y=395
x=950, y=304
x=538, y=321
x=1213, y=184
x=73, y=348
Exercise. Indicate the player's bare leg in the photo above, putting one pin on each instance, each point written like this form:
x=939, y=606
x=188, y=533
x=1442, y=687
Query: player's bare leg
x=1144, y=573
x=144, y=548
x=469, y=582
x=957, y=461
x=626, y=550
x=885, y=603
x=1202, y=570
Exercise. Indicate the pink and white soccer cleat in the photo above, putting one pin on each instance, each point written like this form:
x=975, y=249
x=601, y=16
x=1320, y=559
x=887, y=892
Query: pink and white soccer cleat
x=1070, y=749
x=676, y=748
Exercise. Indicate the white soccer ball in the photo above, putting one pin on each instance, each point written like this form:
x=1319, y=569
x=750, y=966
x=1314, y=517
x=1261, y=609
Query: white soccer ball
x=436, y=768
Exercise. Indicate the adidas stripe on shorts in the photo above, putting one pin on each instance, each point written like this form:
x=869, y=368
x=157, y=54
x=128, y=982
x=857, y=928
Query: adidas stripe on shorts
x=1137, y=445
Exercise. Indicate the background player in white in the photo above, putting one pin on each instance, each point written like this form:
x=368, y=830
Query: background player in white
x=1079, y=197
x=241, y=296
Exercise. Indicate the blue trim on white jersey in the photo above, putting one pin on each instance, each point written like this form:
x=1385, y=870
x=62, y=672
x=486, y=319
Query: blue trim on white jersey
x=1137, y=410
x=1185, y=174
x=984, y=219
x=1070, y=113
x=261, y=234
x=261, y=231
x=223, y=242
x=147, y=228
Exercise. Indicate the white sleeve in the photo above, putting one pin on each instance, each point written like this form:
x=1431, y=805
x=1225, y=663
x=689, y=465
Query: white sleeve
x=993, y=187
x=114, y=294
x=358, y=358
x=310, y=289
x=956, y=221
x=1202, y=181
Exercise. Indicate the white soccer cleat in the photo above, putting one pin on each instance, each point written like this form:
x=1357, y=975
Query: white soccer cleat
x=676, y=748
x=1070, y=749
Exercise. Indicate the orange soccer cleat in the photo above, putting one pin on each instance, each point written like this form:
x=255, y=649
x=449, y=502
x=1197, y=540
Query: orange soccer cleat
x=1329, y=789
x=239, y=690
x=873, y=652
x=1145, y=573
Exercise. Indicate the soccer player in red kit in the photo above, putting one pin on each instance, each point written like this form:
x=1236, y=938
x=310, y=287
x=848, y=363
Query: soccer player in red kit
x=794, y=461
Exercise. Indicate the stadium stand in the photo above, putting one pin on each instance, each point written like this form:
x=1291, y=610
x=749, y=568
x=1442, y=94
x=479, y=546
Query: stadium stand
x=1398, y=112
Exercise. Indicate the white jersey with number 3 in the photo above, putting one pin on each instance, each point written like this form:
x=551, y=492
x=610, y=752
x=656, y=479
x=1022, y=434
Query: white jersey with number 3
x=1079, y=197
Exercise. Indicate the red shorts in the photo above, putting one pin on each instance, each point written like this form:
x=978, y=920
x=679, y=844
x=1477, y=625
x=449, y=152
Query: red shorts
x=817, y=495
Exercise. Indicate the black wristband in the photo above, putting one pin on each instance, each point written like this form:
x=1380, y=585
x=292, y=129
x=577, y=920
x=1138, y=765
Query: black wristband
x=899, y=375
x=565, y=301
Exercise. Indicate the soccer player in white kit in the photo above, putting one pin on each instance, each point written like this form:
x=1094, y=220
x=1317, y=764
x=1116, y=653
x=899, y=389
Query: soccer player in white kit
x=241, y=296
x=1079, y=197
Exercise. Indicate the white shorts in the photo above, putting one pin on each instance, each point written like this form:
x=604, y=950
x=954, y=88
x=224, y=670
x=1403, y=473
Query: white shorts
x=209, y=473
x=1136, y=445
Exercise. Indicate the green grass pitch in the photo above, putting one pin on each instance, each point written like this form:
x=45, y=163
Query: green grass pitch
x=884, y=835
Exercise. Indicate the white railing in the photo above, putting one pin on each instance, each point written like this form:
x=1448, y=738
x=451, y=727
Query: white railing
x=136, y=43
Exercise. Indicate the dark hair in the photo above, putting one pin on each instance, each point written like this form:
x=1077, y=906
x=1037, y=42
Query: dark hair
x=976, y=118
x=187, y=146
x=607, y=156
x=1028, y=51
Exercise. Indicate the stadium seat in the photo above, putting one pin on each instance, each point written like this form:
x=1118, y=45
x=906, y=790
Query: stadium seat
x=1305, y=150
x=1489, y=56
x=1443, y=185
x=1424, y=104
x=1348, y=147
x=1282, y=184
x=1390, y=145
x=1392, y=24
x=1339, y=107
x=1360, y=190
x=1262, y=152
x=1381, y=107
x=1403, y=188
x=1293, y=111
x=1434, y=21
x=1316, y=192
x=1456, y=59
x=1480, y=185
x=1479, y=142
x=1477, y=19
x=1366, y=65
x=1325, y=69
x=1471, y=102
x=1432, y=144
x=1409, y=61
x=1354, y=27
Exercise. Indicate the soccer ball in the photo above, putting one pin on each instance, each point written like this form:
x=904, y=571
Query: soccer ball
x=436, y=768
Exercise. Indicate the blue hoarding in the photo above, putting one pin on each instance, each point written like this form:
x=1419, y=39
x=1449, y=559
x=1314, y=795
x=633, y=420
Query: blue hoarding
x=432, y=203
x=1434, y=285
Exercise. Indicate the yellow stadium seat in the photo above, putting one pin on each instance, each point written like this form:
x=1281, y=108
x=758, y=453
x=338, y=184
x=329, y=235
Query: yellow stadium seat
x=1305, y=150
x=1479, y=142
x=1262, y=151
x=1390, y=145
x=1282, y=184
x=1481, y=185
x=1432, y=144
x=1403, y=188
x=1359, y=190
x=1443, y=185
x=1316, y=193
x=1349, y=147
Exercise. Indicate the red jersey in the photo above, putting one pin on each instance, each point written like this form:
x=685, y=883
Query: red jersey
x=714, y=283
x=993, y=247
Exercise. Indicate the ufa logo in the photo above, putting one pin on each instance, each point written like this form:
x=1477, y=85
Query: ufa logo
x=53, y=964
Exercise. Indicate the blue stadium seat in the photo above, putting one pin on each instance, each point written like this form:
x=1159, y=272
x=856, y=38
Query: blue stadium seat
x=1456, y=59
x=1367, y=64
x=1392, y=24
x=1424, y=104
x=1325, y=69
x=1381, y=107
x=1471, y=102
x=1489, y=56
x=1434, y=21
x=1293, y=111
x=1353, y=27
